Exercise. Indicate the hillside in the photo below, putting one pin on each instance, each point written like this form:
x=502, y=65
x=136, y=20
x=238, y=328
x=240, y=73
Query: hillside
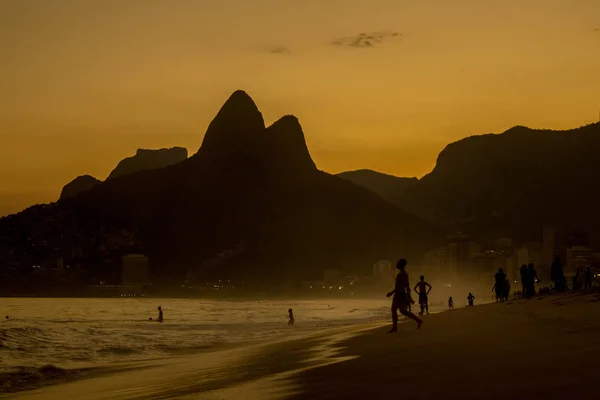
x=507, y=184
x=143, y=159
x=250, y=204
x=148, y=159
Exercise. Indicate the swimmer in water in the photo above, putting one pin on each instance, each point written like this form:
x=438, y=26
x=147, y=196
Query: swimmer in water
x=291, y=317
x=160, y=314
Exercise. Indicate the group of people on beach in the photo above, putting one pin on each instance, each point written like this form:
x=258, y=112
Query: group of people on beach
x=402, y=300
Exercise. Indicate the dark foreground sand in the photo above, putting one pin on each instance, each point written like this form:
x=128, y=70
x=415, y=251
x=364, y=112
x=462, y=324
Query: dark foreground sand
x=538, y=349
x=541, y=348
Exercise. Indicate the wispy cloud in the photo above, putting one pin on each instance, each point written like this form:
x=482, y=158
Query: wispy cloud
x=365, y=39
x=279, y=50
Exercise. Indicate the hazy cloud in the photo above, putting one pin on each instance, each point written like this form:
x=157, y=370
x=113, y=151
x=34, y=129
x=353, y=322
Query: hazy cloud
x=278, y=50
x=365, y=39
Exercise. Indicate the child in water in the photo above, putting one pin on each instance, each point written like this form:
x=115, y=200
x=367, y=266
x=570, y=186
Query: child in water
x=470, y=297
x=160, y=314
x=291, y=317
x=450, y=303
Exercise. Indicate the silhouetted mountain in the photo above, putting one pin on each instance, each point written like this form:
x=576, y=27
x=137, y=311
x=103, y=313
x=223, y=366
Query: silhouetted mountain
x=144, y=159
x=78, y=185
x=390, y=187
x=508, y=184
x=149, y=159
x=251, y=204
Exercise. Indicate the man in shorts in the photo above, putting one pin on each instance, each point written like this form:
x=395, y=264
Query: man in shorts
x=424, y=289
x=401, y=298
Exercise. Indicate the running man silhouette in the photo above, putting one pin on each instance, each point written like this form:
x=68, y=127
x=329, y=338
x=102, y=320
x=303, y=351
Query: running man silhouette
x=423, y=292
x=401, y=298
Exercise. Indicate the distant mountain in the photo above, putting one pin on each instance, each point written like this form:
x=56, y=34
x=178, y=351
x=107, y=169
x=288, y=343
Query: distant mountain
x=144, y=159
x=506, y=184
x=149, y=159
x=250, y=204
x=78, y=185
x=389, y=187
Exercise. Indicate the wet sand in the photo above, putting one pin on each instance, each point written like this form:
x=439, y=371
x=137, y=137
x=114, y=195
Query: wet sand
x=541, y=348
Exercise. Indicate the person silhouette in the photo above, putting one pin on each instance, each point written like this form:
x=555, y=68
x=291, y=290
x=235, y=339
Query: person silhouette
x=532, y=278
x=557, y=275
x=470, y=298
x=401, y=299
x=160, y=314
x=524, y=273
x=450, y=303
x=291, y=317
x=500, y=277
x=423, y=292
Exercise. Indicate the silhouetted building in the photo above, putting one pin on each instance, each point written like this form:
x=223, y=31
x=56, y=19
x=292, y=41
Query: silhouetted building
x=461, y=251
x=135, y=270
x=383, y=270
x=580, y=257
x=331, y=277
x=437, y=262
x=547, y=245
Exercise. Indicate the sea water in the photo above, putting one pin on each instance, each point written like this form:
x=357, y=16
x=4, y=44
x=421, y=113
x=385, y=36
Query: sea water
x=78, y=333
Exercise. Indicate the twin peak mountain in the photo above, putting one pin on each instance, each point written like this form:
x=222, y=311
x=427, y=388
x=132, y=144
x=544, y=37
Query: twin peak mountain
x=253, y=193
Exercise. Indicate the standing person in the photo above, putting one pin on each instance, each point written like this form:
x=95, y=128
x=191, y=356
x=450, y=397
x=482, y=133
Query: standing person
x=450, y=303
x=500, y=277
x=401, y=298
x=531, y=280
x=423, y=292
x=557, y=275
x=291, y=317
x=589, y=277
x=160, y=314
x=523, y=271
x=471, y=298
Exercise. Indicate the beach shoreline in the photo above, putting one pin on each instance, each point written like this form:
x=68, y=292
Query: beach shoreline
x=488, y=351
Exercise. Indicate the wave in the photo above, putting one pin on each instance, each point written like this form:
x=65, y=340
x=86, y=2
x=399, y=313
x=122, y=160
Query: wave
x=22, y=378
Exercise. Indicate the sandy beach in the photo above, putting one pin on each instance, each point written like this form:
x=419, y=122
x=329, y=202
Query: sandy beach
x=539, y=348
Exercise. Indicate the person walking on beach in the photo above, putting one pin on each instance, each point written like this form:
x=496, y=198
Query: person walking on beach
x=291, y=317
x=160, y=314
x=401, y=298
x=450, y=303
x=424, y=289
x=470, y=298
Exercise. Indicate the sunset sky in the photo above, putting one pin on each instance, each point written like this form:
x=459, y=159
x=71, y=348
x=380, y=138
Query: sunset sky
x=84, y=83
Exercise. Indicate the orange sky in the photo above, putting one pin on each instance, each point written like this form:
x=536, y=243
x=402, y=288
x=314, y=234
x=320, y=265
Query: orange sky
x=85, y=83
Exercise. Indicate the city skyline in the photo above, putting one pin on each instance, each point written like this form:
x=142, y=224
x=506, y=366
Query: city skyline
x=384, y=85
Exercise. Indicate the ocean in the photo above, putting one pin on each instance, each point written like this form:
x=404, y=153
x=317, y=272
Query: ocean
x=82, y=333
